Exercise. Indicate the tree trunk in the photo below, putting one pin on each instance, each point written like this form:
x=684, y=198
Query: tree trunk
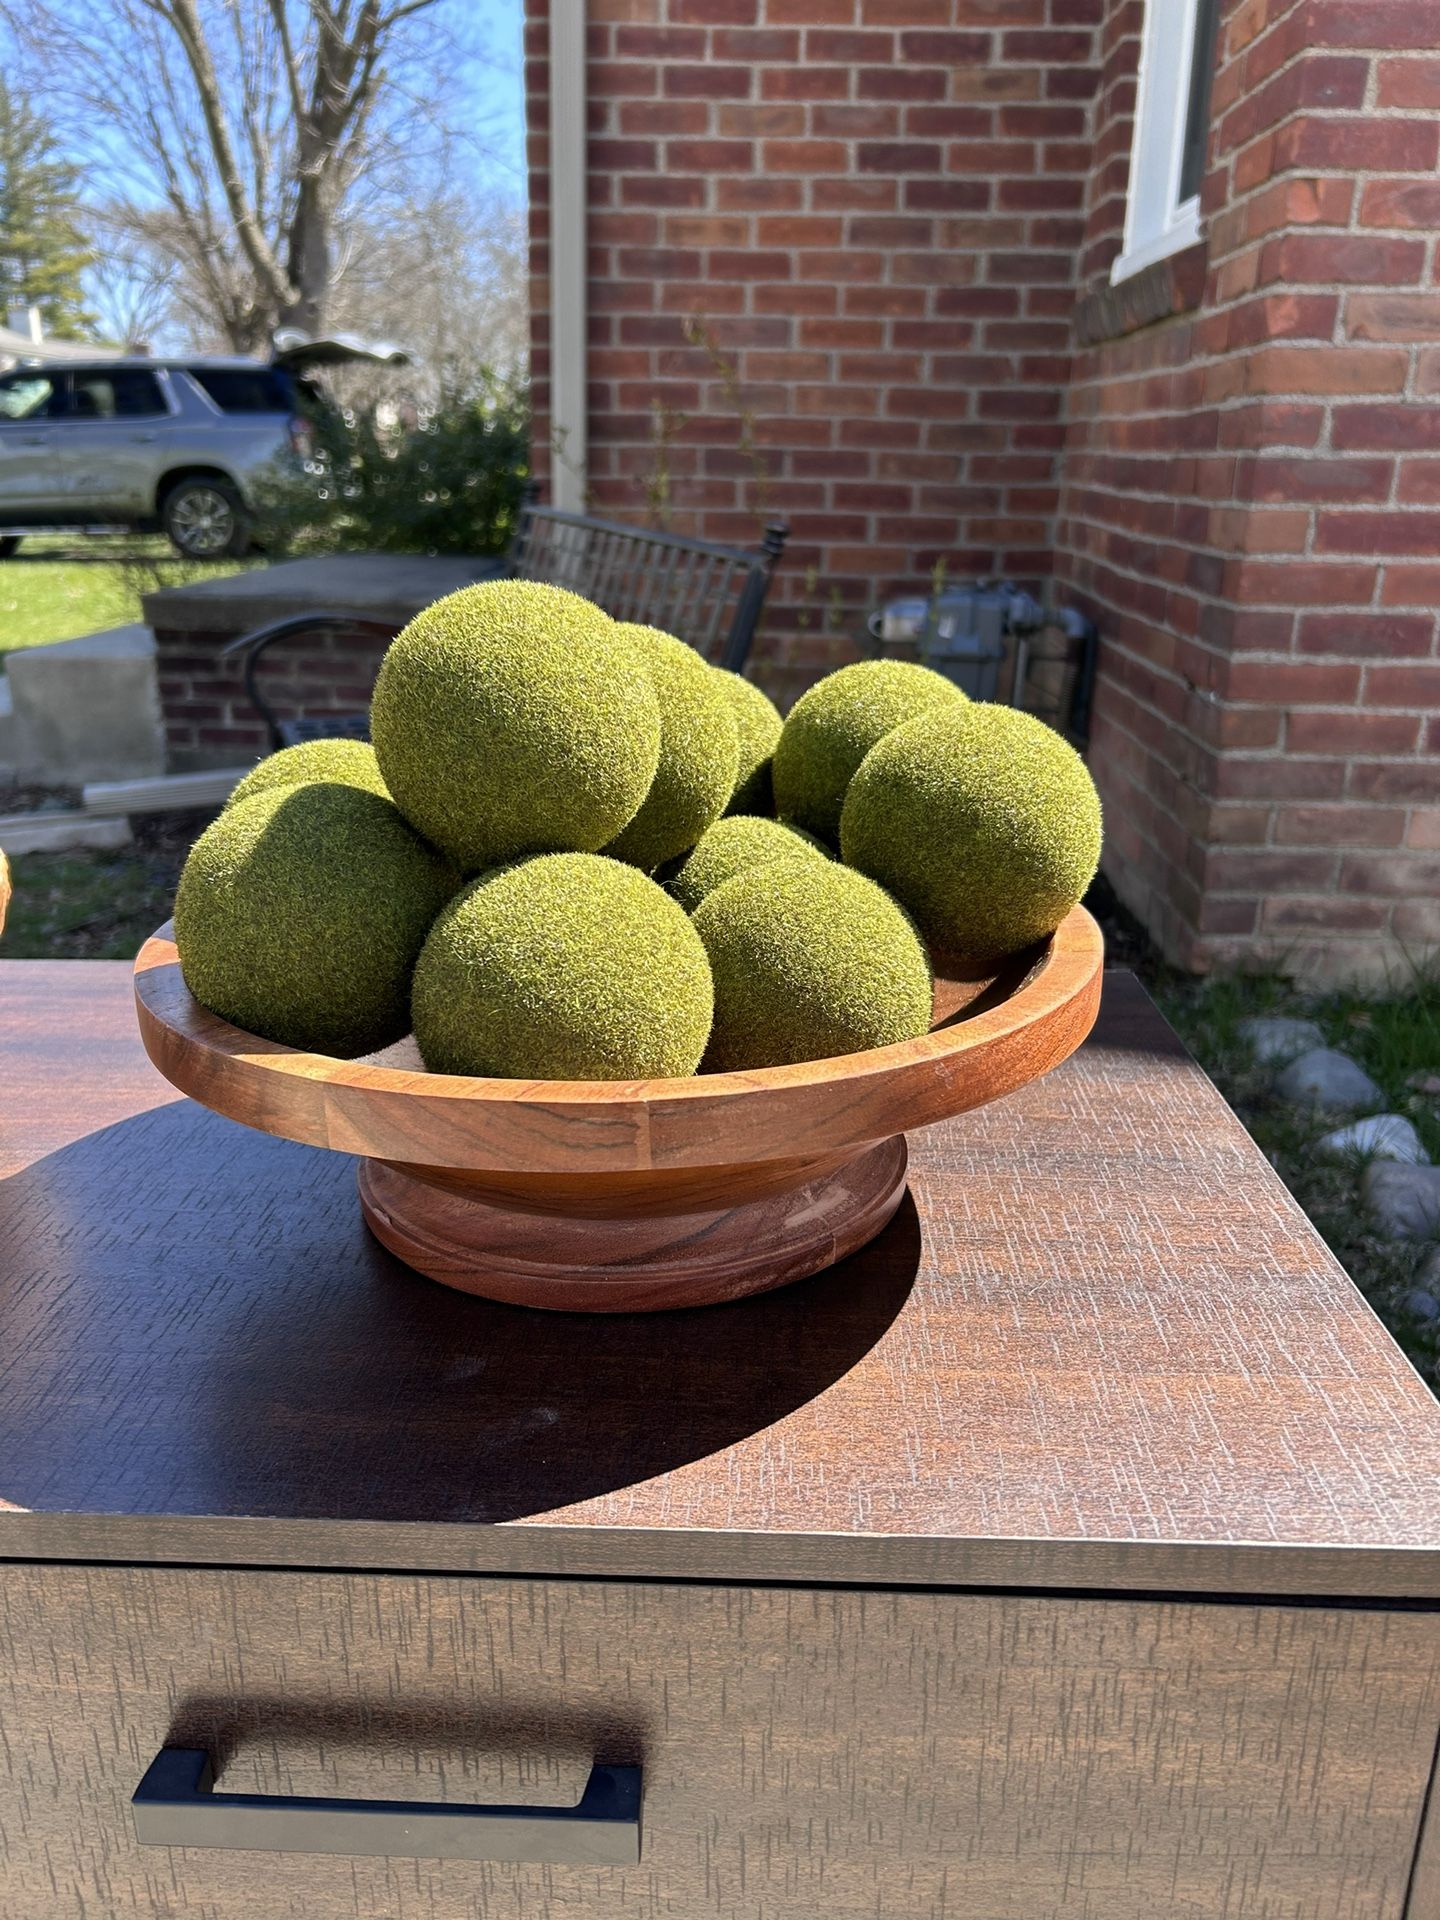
x=309, y=258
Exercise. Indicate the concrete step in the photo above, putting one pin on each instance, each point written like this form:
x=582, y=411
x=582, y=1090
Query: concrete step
x=164, y=793
x=87, y=709
x=60, y=832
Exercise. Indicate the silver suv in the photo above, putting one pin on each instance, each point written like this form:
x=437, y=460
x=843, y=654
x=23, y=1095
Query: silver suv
x=142, y=443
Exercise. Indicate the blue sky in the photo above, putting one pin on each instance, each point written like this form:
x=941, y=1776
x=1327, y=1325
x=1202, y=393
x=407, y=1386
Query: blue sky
x=470, y=52
x=481, y=90
x=497, y=81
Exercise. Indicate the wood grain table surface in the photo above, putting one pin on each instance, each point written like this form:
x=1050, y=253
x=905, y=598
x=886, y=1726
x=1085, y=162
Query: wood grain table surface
x=1098, y=1348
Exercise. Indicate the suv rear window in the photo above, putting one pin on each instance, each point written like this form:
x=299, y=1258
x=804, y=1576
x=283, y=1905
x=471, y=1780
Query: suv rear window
x=246, y=389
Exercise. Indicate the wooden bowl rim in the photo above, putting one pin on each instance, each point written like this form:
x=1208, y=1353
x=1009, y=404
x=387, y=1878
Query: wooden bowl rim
x=1065, y=971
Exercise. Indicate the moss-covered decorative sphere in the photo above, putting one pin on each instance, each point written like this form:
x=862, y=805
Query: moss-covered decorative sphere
x=730, y=846
x=351, y=762
x=758, y=723
x=810, y=960
x=699, y=753
x=300, y=914
x=514, y=718
x=567, y=966
x=982, y=821
x=832, y=727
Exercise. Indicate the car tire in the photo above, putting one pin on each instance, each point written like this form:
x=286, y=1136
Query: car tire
x=8, y=543
x=204, y=519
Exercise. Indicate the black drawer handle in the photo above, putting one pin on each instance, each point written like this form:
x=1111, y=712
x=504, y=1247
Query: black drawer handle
x=175, y=1805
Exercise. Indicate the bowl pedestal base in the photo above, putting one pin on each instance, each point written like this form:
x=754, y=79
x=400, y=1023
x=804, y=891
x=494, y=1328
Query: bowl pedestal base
x=590, y=1264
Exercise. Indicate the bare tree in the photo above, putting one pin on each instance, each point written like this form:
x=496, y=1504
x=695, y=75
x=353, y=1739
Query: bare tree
x=133, y=283
x=235, y=132
x=473, y=316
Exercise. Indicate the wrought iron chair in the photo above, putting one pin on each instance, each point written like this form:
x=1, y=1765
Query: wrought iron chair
x=709, y=595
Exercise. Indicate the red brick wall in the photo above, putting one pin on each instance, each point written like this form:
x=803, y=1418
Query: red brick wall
x=209, y=720
x=873, y=209
x=1250, y=513
x=894, y=220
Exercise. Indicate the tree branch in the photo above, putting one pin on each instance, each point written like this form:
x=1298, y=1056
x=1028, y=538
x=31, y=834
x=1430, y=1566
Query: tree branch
x=292, y=65
x=181, y=15
x=388, y=20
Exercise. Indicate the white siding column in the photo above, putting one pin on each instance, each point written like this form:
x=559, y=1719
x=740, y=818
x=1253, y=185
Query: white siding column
x=567, y=253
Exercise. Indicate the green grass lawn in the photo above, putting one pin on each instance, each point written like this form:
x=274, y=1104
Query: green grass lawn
x=88, y=906
x=57, y=587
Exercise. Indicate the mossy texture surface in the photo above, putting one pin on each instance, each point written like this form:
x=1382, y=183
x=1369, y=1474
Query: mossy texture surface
x=832, y=727
x=699, y=753
x=758, y=724
x=351, y=762
x=513, y=718
x=300, y=914
x=563, y=967
x=982, y=821
x=732, y=845
x=810, y=960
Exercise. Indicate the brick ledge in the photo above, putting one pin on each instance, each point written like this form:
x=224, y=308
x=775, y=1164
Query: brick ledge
x=1166, y=287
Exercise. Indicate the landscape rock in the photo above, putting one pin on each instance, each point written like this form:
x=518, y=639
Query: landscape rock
x=1383, y=1136
x=1326, y=1078
x=1421, y=1304
x=1424, y=1083
x=1404, y=1200
x=1274, y=1038
x=1429, y=1274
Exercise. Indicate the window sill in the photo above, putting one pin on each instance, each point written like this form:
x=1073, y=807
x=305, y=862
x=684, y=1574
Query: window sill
x=1173, y=284
x=1182, y=234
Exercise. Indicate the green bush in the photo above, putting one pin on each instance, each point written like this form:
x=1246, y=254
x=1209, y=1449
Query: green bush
x=451, y=483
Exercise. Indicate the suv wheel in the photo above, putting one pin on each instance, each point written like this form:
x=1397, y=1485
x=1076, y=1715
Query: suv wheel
x=205, y=520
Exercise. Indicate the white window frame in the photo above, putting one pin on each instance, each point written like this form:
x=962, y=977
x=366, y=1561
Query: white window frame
x=1157, y=221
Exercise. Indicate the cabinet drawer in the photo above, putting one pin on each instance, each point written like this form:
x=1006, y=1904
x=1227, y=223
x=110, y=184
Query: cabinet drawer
x=807, y=1754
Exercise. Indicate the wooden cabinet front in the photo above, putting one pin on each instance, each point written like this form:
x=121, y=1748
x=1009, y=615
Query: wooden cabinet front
x=808, y=1754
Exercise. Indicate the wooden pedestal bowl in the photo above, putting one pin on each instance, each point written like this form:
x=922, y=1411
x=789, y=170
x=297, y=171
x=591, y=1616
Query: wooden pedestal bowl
x=628, y=1196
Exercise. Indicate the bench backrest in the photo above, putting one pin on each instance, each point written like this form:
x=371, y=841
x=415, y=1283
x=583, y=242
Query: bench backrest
x=708, y=595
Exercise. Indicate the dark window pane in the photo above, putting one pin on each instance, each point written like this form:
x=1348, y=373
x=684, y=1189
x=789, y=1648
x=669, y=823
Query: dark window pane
x=245, y=389
x=120, y=393
x=1197, y=107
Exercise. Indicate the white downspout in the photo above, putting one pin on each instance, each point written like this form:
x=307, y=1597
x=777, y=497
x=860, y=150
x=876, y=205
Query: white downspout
x=567, y=254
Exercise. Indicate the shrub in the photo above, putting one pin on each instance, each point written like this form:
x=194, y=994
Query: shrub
x=452, y=482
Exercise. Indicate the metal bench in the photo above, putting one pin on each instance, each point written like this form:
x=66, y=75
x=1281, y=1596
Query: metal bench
x=709, y=595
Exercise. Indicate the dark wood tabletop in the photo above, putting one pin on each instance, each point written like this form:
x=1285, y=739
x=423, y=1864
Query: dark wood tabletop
x=1099, y=1347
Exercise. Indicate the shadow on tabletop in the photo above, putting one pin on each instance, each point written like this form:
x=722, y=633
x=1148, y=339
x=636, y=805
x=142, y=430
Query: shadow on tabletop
x=194, y=1320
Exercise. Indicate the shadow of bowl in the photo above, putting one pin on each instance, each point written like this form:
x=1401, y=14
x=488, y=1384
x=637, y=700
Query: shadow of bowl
x=277, y=1361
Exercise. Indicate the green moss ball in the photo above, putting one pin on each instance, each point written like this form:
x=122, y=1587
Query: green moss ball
x=831, y=728
x=699, y=753
x=758, y=723
x=514, y=718
x=351, y=762
x=810, y=960
x=982, y=820
x=567, y=966
x=300, y=915
x=732, y=845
